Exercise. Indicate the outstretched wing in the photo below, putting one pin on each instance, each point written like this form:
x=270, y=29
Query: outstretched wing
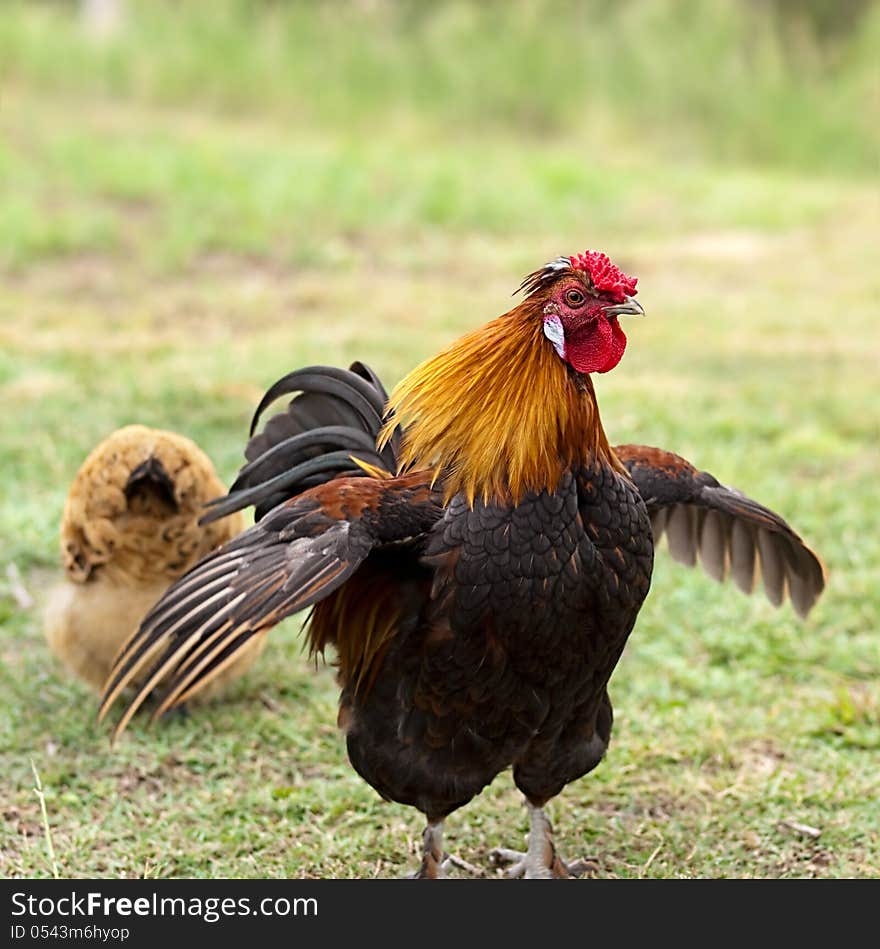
x=731, y=533
x=299, y=553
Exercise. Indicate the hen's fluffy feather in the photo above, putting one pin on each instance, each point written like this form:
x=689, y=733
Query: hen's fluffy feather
x=129, y=529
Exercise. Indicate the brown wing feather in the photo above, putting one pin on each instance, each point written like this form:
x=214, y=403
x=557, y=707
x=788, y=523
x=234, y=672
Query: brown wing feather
x=730, y=533
x=297, y=555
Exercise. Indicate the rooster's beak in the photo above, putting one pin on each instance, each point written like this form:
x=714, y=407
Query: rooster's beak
x=630, y=307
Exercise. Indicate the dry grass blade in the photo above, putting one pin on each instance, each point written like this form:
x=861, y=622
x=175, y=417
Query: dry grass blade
x=802, y=830
x=19, y=592
x=47, y=830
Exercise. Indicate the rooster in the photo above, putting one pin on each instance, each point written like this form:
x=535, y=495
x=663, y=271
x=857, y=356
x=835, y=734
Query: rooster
x=473, y=548
x=130, y=527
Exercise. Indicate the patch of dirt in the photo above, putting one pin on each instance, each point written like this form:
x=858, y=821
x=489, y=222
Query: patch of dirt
x=762, y=758
x=20, y=823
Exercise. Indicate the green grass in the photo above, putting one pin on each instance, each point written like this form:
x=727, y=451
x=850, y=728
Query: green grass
x=759, y=81
x=178, y=228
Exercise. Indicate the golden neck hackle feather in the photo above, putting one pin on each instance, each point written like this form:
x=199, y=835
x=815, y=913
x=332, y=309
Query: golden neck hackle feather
x=498, y=413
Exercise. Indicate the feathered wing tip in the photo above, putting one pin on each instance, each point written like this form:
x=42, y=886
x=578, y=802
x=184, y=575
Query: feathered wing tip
x=212, y=615
x=731, y=534
x=744, y=544
x=166, y=638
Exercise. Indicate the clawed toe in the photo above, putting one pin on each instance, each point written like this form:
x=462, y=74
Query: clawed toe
x=513, y=861
x=516, y=865
x=431, y=870
x=585, y=867
x=540, y=861
x=450, y=860
x=436, y=863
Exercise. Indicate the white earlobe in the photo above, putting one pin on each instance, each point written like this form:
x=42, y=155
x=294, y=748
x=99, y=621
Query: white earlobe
x=554, y=332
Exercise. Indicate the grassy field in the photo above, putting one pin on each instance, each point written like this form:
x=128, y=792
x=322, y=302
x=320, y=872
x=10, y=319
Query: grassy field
x=172, y=240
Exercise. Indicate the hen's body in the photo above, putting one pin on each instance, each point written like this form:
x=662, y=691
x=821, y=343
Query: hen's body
x=130, y=528
x=86, y=624
x=459, y=697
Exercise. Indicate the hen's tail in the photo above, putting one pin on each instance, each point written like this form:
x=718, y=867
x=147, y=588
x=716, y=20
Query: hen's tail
x=328, y=429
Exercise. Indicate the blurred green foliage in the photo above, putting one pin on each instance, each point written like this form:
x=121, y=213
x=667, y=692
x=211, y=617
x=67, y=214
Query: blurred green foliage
x=300, y=131
x=785, y=83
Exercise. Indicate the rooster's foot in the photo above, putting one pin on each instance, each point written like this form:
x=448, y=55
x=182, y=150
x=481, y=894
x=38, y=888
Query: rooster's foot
x=540, y=861
x=435, y=861
x=517, y=866
x=429, y=870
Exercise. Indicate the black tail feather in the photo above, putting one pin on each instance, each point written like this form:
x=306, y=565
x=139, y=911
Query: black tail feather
x=342, y=383
x=290, y=452
x=334, y=417
x=332, y=464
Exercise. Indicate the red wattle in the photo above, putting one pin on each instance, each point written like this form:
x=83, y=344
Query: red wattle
x=598, y=349
x=618, y=345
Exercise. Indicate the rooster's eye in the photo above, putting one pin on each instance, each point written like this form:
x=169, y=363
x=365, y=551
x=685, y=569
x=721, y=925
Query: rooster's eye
x=574, y=297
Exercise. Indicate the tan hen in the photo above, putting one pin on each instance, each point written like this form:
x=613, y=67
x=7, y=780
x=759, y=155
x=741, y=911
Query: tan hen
x=130, y=528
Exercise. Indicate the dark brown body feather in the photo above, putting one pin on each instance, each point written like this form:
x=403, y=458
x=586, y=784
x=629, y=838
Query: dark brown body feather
x=516, y=618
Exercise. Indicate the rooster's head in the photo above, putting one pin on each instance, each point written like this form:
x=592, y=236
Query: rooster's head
x=582, y=297
x=498, y=413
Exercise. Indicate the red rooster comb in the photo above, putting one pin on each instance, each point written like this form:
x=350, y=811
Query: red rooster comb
x=603, y=275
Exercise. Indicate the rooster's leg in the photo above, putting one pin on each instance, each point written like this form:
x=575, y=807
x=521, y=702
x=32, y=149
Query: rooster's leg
x=540, y=861
x=435, y=861
x=432, y=853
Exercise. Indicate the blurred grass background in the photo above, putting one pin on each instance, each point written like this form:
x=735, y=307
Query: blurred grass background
x=210, y=194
